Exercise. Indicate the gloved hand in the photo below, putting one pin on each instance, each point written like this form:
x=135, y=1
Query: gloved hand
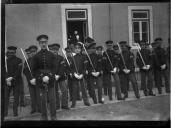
x=9, y=83
x=163, y=66
x=80, y=76
x=114, y=70
x=70, y=74
x=94, y=74
x=33, y=81
x=86, y=72
x=126, y=71
x=144, y=67
x=57, y=77
x=76, y=75
x=9, y=79
x=45, y=79
x=148, y=67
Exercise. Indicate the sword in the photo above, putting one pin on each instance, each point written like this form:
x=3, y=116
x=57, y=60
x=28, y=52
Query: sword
x=109, y=59
x=65, y=57
x=122, y=56
x=138, y=47
x=88, y=56
x=27, y=62
x=6, y=64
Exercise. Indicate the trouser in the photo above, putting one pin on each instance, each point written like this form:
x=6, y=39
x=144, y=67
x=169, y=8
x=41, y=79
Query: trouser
x=146, y=81
x=52, y=102
x=99, y=82
x=158, y=80
x=108, y=84
x=21, y=92
x=76, y=84
x=61, y=87
x=117, y=86
x=70, y=87
x=8, y=90
x=35, y=97
x=124, y=78
x=104, y=86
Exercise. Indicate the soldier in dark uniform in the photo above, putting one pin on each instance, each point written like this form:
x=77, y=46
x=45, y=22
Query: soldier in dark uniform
x=68, y=71
x=127, y=68
x=60, y=85
x=33, y=89
x=95, y=74
x=145, y=65
x=13, y=73
x=160, y=66
x=78, y=70
x=44, y=72
x=111, y=60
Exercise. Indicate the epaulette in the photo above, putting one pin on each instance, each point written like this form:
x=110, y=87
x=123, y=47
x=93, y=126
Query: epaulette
x=86, y=61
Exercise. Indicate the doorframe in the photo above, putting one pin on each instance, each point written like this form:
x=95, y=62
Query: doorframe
x=63, y=15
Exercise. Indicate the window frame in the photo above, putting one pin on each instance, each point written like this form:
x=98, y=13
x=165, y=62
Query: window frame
x=76, y=10
x=130, y=23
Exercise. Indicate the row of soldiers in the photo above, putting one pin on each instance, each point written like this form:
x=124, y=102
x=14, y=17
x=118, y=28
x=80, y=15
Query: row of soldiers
x=83, y=68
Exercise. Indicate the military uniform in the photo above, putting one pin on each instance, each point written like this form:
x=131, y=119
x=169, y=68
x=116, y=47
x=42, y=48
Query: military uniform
x=78, y=66
x=97, y=67
x=111, y=61
x=124, y=77
x=14, y=65
x=33, y=89
x=146, y=75
x=44, y=70
x=159, y=59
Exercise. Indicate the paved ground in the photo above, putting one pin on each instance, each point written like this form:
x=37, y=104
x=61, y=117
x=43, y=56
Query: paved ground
x=146, y=108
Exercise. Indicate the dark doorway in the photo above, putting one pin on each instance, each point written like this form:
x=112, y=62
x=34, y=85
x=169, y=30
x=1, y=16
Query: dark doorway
x=80, y=26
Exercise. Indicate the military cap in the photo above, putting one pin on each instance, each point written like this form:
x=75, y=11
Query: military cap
x=12, y=48
x=99, y=47
x=142, y=42
x=50, y=46
x=78, y=44
x=56, y=45
x=158, y=39
x=27, y=50
x=89, y=40
x=33, y=47
x=122, y=42
x=109, y=42
x=92, y=45
x=42, y=36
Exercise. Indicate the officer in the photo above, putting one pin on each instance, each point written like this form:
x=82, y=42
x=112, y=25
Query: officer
x=78, y=70
x=111, y=60
x=144, y=62
x=127, y=68
x=33, y=89
x=68, y=71
x=160, y=66
x=45, y=73
x=60, y=85
x=95, y=72
x=13, y=73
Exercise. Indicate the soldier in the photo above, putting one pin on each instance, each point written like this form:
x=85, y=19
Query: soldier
x=160, y=66
x=111, y=68
x=144, y=62
x=13, y=73
x=78, y=71
x=127, y=68
x=95, y=72
x=45, y=73
x=60, y=85
x=33, y=89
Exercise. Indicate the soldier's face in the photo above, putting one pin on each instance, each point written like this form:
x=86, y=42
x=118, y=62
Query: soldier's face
x=33, y=52
x=43, y=43
x=77, y=49
x=11, y=53
x=99, y=51
x=55, y=51
x=109, y=46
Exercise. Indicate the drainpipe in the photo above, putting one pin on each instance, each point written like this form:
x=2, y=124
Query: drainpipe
x=109, y=21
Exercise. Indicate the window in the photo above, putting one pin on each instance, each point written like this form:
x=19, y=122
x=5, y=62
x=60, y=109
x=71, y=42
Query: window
x=76, y=14
x=140, y=24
